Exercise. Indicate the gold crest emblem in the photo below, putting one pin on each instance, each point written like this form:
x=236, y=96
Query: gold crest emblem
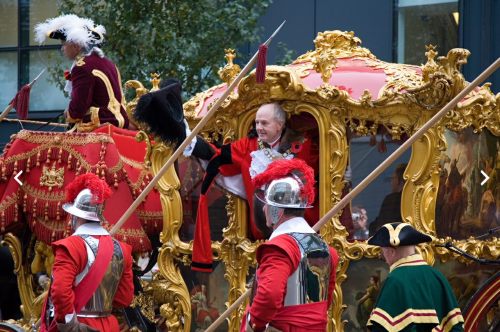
x=52, y=177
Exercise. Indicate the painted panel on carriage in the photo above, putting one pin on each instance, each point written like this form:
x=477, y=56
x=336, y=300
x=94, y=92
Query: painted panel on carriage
x=364, y=280
x=465, y=280
x=208, y=292
x=465, y=207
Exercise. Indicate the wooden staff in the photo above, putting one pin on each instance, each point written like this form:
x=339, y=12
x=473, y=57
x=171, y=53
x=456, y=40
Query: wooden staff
x=376, y=172
x=9, y=107
x=55, y=124
x=188, y=139
x=5, y=112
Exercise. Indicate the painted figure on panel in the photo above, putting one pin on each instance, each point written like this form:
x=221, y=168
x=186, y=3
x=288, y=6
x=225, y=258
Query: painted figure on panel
x=466, y=203
x=205, y=314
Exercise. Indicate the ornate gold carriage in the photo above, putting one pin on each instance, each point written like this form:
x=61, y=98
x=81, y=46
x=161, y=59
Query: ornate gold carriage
x=348, y=93
x=342, y=95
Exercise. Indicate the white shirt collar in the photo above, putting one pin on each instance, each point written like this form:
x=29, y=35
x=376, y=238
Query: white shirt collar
x=91, y=228
x=294, y=225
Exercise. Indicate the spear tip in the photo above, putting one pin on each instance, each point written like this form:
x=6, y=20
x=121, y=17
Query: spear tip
x=268, y=41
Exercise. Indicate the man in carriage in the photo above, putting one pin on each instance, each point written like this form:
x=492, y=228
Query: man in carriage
x=232, y=165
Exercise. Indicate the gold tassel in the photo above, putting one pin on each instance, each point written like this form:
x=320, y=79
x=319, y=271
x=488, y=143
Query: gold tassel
x=59, y=157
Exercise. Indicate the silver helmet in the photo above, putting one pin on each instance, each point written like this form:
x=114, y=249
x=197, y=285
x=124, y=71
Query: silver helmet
x=84, y=207
x=285, y=193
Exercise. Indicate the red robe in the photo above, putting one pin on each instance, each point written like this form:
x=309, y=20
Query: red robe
x=96, y=83
x=277, y=259
x=70, y=259
x=240, y=154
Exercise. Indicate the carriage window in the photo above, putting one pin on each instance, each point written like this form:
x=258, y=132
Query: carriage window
x=423, y=22
x=380, y=202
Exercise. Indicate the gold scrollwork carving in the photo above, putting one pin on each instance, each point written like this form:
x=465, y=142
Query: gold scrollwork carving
x=143, y=136
x=238, y=254
x=193, y=106
x=324, y=63
x=411, y=95
x=144, y=301
x=29, y=308
x=418, y=203
x=140, y=90
x=489, y=249
x=480, y=109
x=343, y=44
x=169, y=286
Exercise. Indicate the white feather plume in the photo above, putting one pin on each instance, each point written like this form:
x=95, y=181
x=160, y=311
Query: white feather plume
x=77, y=30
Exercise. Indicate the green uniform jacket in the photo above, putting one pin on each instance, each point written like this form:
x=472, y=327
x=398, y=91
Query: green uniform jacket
x=415, y=297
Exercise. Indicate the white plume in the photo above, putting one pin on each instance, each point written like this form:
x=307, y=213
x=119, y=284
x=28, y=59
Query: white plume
x=76, y=29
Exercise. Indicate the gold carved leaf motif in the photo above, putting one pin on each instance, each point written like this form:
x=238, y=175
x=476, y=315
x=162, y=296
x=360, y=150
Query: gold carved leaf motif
x=230, y=70
x=343, y=44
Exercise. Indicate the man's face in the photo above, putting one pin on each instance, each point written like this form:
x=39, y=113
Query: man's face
x=268, y=127
x=70, y=50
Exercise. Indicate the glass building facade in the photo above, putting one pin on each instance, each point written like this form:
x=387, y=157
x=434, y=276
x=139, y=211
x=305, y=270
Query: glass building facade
x=22, y=59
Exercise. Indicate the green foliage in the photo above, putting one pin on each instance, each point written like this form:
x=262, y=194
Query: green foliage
x=176, y=38
x=284, y=55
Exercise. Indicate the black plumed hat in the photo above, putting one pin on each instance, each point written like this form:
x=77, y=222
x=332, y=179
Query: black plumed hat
x=398, y=234
x=162, y=111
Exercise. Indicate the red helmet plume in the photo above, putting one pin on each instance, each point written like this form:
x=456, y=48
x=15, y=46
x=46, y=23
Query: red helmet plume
x=282, y=168
x=98, y=187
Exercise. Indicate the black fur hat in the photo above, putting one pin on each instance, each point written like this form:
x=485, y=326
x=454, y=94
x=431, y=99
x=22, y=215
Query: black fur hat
x=162, y=111
x=398, y=234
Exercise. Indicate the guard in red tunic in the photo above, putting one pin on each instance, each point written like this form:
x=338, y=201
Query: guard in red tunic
x=92, y=272
x=295, y=276
x=94, y=81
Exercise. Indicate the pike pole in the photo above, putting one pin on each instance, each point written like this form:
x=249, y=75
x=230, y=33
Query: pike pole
x=375, y=173
x=188, y=139
x=9, y=107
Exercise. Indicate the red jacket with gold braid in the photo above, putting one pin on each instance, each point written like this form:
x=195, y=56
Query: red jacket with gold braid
x=96, y=87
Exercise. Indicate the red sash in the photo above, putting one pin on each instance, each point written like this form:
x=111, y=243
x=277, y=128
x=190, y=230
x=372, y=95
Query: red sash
x=87, y=287
x=301, y=317
x=89, y=284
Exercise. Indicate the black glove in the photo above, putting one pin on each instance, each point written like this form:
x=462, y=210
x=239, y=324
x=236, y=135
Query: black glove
x=202, y=149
